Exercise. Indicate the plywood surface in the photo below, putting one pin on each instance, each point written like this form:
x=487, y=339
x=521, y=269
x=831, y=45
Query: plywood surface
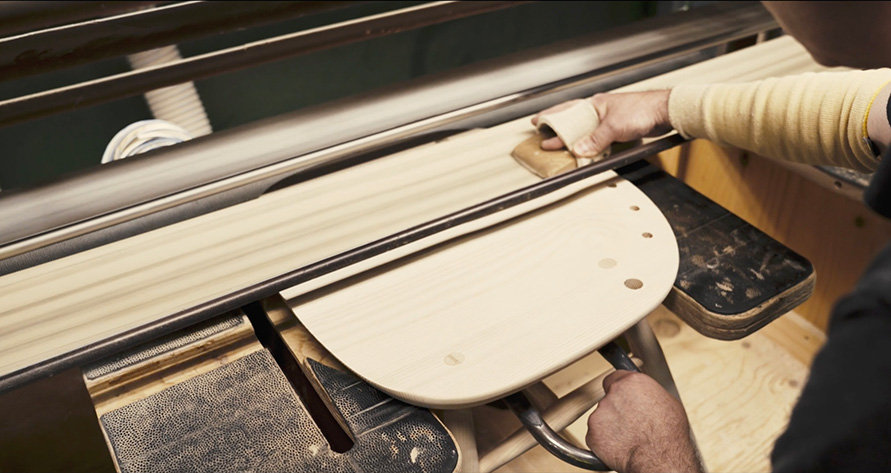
x=738, y=395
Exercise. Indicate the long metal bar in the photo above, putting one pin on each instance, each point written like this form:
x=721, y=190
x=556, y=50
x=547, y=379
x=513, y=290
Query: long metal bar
x=279, y=283
x=22, y=17
x=252, y=54
x=644, y=344
x=128, y=189
x=80, y=43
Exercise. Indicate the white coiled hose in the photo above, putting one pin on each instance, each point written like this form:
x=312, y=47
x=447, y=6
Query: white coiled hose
x=179, y=113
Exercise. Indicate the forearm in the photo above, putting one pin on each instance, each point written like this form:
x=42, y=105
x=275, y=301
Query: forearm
x=816, y=118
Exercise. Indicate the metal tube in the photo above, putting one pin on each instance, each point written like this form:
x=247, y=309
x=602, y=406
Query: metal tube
x=550, y=440
x=68, y=45
x=644, y=345
x=125, y=190
x=259, y=52
x=617, y=357
x=22, y=17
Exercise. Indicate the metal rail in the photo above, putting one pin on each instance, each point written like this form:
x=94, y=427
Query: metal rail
x=23, y=17
x=34, y=52
x=135, y=82
x=129, y=189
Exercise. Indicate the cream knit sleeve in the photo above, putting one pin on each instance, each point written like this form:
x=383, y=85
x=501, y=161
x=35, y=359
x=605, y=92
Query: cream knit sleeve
x=813, y=118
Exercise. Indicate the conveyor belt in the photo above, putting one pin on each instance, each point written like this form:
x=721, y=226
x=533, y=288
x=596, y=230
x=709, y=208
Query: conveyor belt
x=65, y=305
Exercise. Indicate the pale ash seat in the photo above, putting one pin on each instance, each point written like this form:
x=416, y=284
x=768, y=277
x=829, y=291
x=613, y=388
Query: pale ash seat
x=484, y=315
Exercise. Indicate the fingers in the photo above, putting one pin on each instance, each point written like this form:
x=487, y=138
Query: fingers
x=555, y=108
x=638, y=426
x=623, y=117
x=605, y=438
x=615, y=377
x=552, y=144
x=595, y=143
x=588, y=146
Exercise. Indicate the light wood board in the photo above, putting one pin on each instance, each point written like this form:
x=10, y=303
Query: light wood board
x=57, y=307
x=485, y=315
x=775, y=58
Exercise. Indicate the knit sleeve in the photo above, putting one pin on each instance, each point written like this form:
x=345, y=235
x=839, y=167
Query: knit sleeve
x=813, y=118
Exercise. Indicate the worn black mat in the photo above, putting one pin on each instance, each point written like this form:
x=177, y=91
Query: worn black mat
x=733, y=278
x=245, y=416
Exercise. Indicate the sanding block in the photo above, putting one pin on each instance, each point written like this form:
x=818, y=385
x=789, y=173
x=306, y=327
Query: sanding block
x=541, y=162
x=570, y=124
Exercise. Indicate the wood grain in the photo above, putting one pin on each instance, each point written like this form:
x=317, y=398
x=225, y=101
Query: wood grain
x=303, y=347
x=738, y=395
x=57, y=307
x=459, y=422
x=494, y=425
x=482, y=316
x=778, y=57
x=53, y=308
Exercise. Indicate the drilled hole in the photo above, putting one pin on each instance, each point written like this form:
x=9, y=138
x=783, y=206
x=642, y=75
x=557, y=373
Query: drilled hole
x=633, y=283
x=647, y=235
x=635, y=208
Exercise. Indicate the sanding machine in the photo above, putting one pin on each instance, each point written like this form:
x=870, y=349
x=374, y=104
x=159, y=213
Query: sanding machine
x=233, y=381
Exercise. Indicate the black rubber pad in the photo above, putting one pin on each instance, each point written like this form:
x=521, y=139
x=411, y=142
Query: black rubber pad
x=728, y=267
x=390, y=435
x=244, y=416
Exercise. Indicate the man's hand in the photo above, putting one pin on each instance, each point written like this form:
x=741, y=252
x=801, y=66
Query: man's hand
x=623, y=117
x=639, y=427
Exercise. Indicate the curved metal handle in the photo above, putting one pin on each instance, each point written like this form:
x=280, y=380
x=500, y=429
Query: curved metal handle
x=552, y=441
x=617, y=357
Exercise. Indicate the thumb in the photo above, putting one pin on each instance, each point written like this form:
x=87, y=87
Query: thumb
x=595, y=143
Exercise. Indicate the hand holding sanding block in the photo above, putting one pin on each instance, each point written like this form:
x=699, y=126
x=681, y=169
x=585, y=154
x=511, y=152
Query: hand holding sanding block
x=571, y=124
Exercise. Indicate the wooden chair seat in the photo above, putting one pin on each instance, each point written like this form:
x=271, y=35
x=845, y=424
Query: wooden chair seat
x=479, y=317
